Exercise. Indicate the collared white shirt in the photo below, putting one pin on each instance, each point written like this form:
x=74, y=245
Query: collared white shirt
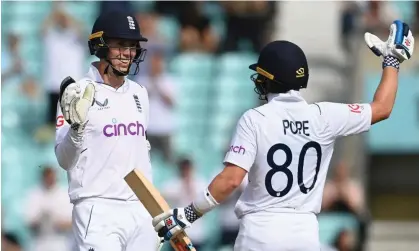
x=290, y=143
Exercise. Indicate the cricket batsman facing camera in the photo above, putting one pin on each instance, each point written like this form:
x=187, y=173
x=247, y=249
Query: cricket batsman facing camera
x=101, y=137
x=286, y=146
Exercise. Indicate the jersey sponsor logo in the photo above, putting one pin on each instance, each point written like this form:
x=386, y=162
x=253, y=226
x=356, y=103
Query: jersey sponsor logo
x=355, y=108
x=237, y=149
x=121, y=129
x=60, y=121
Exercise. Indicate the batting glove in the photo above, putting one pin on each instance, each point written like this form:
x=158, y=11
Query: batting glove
x=398, y=47
x=75, y=104
x=173, y=222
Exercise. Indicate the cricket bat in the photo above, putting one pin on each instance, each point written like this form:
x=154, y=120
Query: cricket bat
x=155, y=204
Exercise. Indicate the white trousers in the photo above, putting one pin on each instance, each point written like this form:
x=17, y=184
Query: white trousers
x=278, y=232
x=111, y=225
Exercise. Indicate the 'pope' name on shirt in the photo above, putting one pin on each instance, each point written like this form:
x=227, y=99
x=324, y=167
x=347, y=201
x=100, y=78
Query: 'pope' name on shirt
x=296, y=127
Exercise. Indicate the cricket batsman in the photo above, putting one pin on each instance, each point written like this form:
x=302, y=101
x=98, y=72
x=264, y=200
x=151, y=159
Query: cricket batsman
x=291, y=144
x=101, y=137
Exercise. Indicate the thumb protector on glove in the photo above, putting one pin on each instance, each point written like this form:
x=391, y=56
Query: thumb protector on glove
x=79, y=113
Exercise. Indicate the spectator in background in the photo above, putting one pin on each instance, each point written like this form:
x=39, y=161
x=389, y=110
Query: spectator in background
x=30, y=102
x=49, y=217
x=161, y=88
x=149, y=22
x=183, y=189
x=379, y=15
x=10, y=242
x=416, y=19
x=247, y=20
x=11, y=61
x=197, y=34
x=349, y=16
x=343, y=194
x=64, y=53
x=345, y=241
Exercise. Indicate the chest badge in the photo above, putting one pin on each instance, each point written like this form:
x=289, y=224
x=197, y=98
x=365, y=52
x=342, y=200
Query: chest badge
x=137, y=103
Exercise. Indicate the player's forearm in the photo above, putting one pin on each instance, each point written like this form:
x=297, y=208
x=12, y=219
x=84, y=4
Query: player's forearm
x=385, y=95
x=68, y=150
x=222, y=187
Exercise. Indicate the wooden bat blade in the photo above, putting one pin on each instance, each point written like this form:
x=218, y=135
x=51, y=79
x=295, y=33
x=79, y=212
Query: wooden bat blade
x=155, y=204
x=151, y=198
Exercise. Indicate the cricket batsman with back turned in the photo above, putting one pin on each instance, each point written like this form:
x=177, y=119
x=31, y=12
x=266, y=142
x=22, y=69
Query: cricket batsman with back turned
x=291, y=144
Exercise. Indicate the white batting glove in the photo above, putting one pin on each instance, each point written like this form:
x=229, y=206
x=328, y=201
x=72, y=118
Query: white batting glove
x=75, y=104
x=173, y=222
x=398, y=47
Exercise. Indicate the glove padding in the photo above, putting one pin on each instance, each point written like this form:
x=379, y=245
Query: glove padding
x=75, y=104
x=400, y=43
x=171, y=223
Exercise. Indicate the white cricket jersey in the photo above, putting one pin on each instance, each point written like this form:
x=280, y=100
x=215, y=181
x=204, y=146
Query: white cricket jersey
x=114, y=141
x=286, y=146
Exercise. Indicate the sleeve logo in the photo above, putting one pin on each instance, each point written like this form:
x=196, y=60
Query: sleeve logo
x=60, y=121
x=355, y=108
x=237, y=149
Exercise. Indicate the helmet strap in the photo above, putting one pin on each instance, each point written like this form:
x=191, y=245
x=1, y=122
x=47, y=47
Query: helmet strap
x=114, y=70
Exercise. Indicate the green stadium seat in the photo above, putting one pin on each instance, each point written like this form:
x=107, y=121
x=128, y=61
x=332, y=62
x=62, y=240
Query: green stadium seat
x=193, y=65
x=330, y=224
x=236, y=64
x=29, y=9
x=84, y=11
x=169, y=28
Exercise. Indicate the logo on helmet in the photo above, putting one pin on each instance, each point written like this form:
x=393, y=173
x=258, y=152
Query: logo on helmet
x=131, y=23
x=300, y=73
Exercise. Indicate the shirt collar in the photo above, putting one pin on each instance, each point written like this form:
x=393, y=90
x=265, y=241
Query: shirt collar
x=289, y=97
x=94, y=74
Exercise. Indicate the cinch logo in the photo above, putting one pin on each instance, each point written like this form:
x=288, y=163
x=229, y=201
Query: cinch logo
x=135, y=129
x=237, y=149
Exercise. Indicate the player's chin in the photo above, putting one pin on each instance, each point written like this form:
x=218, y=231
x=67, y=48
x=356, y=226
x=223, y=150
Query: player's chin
x=123, y=68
